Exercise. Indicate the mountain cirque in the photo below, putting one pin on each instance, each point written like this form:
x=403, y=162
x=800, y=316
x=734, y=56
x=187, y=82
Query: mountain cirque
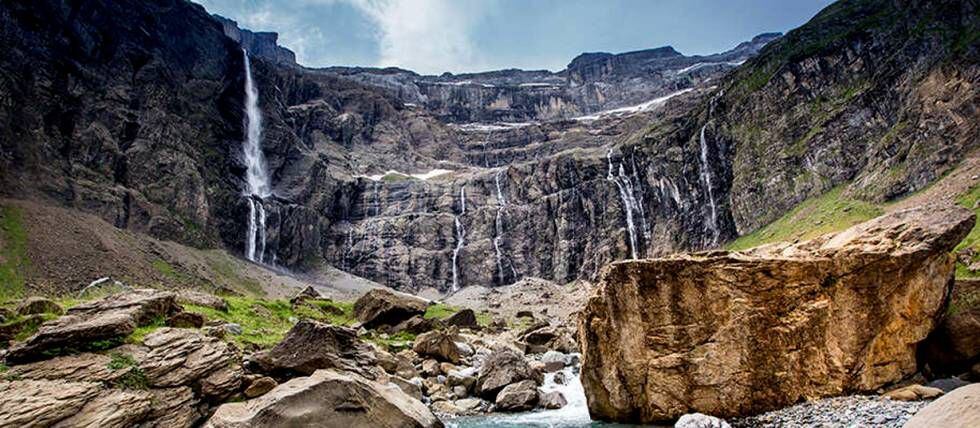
x=732, y=334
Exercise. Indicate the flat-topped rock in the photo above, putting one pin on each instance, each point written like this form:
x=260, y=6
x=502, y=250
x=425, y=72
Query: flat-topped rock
x=380, y=307
x=731, y=334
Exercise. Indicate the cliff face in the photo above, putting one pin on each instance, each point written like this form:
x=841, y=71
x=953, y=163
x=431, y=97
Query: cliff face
x=139, y=119
x=262, y=43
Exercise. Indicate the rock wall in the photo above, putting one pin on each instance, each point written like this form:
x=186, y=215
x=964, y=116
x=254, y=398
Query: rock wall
x=734, y=334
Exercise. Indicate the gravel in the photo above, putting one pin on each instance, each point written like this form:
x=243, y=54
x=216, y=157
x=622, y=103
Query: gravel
x=852, y=411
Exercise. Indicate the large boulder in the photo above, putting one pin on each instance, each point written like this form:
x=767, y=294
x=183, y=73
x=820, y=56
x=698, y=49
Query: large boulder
x=312, y=345
x=380, y=307
x=958, y=409
x=955, y=344
x=504, y=367
x=731, y=334
x=464, y=318
x=327, y=398
x=111, y=318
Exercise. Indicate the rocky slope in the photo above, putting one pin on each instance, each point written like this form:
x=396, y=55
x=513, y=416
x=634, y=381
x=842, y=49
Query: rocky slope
x=145, y=131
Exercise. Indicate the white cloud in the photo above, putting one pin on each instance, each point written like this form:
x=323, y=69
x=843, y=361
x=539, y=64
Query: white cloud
x=427, y=36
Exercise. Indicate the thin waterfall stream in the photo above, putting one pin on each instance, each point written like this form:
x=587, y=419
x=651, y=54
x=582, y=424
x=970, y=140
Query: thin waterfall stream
x=257, y=186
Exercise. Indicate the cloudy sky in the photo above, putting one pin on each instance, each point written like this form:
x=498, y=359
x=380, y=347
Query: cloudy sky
x=432, y=36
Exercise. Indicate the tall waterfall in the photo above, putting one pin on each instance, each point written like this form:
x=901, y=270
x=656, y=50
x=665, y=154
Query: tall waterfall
x=712, y=223
x=460, y=237
x=630, y=204
x=499, y=229
x=257, y=186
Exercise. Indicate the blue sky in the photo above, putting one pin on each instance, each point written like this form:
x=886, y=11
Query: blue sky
x=432, y=36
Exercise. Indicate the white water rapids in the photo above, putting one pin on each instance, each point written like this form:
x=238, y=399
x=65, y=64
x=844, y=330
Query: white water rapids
x=257, y=186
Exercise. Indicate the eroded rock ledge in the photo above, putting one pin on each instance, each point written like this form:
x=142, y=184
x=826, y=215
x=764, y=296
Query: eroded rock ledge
x=732, y=334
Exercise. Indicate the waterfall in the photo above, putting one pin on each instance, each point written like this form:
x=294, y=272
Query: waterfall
x=257, y=186
x=630, y=204
x=712, y=223
x=499, y=229
x=460, y=237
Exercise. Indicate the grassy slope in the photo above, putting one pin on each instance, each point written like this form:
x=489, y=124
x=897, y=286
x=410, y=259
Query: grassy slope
x=833, y=212
x=13, y=252
x=826, y=213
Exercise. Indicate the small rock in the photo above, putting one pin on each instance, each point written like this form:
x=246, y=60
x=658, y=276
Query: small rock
x=307, y=293
x=698, y=420
x=233, y=329
x=465, y=318
x=190, y=297
x=39, y=305
x=260, y=386
x=518, y=396
x=430, y=368
x=438, y=344
x=551, y=400
x=186, y=320
x=560, y=378
x=914, y=392
x=525, y=314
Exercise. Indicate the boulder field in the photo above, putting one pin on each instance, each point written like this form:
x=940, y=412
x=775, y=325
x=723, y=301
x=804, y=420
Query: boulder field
x=739, y=333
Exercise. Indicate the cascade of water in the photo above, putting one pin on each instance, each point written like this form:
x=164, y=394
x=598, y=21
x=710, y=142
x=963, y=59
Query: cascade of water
x=712, y=223
x=460, y=237
x=257, y=186
x=625, y=186
x=499, y=228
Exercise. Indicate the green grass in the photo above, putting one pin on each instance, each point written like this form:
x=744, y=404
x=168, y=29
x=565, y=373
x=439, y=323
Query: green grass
x=439, y=311
x=137, y=336
x=165, y=268
x=826, y=213
x=13, y=253
x=265, y=322
x=970, y=200
x=119, y=361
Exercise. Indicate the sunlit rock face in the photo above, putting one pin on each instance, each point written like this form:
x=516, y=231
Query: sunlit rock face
x=734, y=334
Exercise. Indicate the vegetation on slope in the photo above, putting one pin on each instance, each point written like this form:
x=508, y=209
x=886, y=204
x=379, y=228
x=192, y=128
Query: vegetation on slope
x=970, y=200
x=830, y=212
x=13, y=253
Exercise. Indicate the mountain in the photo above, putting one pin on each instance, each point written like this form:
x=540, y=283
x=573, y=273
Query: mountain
x=138, y=120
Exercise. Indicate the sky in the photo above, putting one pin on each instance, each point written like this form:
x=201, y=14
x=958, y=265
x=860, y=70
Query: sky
x=433, y=36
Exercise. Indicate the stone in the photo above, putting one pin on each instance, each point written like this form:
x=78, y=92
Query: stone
x=518, y=396
x=343, y=399
x=461, y=407
x=439, y=344
x=430, y=368
x=464, y=318
x=222, y=383
x=311, y=345
x=84, y=367
x=560, y=378
x=551, y=400
x=232, y=329
x=384, y=307
x=504, y=367
x=913, y=393
x=698, y=420
x=413, y=389
x=260, y=386
x=197, y=298
x=733, y=334
x=43, y=402
x=415, y=325
x=110, y=318
x=459, y=391
x=955, y=344
x=958, y=409
x=948, y=384
x=186, y=320
x=39, y=305
x=182, y=357
x=525, y=314
x=307, y=293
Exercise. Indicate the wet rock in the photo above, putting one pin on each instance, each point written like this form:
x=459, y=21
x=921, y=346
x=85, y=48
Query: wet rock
x=384, y=307
x=310, y=346
x=551, y=400
x=698, y=420
x=518, y=396
x=439, y=344
x=111, y=318
x=39, y=305
x=260, y=386
x=343, y=399
x=186, y=320
x=504, y=367
x=827, y=316
x=465, y=318
x=958, y=409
